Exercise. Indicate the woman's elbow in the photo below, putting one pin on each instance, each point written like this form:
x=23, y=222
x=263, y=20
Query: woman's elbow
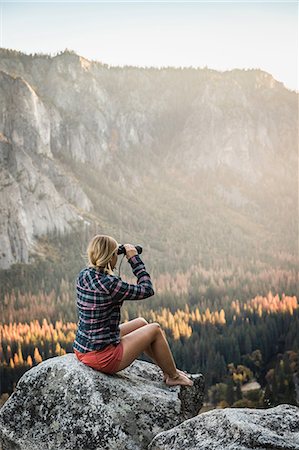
x=151, y=292
x=148, y=292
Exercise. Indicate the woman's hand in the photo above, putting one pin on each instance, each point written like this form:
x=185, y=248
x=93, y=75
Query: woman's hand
x=130, y=250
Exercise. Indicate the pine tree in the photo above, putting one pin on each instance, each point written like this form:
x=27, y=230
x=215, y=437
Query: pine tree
x=238, y=392
x=230, y=394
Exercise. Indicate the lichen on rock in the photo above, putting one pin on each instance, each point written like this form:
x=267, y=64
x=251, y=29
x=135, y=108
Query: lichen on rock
x=63, y=404
x=235, y=429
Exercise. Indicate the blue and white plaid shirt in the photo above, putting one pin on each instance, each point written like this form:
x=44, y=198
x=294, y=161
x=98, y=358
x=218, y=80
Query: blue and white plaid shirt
x=99, y=299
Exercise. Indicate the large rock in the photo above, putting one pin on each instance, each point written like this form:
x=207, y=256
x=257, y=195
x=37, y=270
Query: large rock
x=235, y=429
x=62, y=404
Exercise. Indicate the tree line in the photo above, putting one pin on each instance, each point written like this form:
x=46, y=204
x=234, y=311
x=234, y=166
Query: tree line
x=231, y=347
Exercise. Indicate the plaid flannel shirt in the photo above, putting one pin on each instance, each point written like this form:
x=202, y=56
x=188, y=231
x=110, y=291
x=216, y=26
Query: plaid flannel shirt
x=99, y=299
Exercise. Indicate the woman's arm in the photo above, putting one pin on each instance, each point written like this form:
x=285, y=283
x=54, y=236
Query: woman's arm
x=121, y=290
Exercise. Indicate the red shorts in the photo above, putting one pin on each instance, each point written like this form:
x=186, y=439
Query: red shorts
x=106, y=360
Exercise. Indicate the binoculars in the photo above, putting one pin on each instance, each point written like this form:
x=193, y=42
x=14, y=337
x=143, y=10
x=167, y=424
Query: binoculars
x=121, y=249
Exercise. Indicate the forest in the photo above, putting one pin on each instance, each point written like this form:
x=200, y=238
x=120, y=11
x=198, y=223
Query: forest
x=257, y=340
x=237, y=324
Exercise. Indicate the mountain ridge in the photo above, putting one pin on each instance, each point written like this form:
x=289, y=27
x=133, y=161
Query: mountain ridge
x=81, y=141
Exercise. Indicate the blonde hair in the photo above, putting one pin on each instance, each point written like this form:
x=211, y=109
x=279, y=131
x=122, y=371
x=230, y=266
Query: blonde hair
x=100, y=250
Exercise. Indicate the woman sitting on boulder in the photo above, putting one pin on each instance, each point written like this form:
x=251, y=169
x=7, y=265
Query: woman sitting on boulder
x=101, y=342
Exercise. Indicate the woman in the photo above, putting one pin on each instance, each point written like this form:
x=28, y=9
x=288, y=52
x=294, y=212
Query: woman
x=101, y=342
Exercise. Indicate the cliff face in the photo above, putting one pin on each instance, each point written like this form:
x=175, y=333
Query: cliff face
x=38, y=194
x=73, y=131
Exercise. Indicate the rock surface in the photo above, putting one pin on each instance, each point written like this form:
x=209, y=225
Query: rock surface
x=63, y=404
x=235, y=429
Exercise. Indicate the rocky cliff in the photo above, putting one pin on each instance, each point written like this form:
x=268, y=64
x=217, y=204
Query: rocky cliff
x=79, y=139
x=235, y=429
x=61, y=404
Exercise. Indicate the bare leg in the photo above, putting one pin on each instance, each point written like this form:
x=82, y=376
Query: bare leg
x=137, y=341
x=149, y=352
x=134, y=324
x=131, y=325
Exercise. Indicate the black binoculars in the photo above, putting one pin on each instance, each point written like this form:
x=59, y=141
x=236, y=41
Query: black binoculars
x=122, y=250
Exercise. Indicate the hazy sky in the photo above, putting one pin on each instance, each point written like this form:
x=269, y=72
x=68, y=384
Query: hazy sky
x=221, y=35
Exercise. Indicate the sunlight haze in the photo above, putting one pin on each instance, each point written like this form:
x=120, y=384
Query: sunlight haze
x=220, y=35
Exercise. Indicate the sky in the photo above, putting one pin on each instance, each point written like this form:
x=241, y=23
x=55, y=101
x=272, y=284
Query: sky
x=221, y=35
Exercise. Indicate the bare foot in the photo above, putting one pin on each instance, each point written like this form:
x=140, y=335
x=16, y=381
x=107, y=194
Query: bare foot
x=179, y=379
x=167, y=376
